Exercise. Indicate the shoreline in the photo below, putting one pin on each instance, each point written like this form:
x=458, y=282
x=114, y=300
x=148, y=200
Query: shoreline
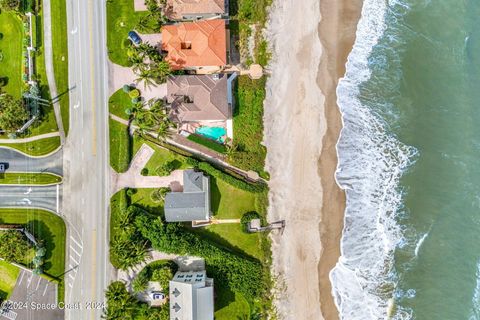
x=302, y=124
x=337, y=33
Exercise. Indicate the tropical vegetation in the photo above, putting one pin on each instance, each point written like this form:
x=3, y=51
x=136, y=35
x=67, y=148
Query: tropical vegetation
x=13, y=113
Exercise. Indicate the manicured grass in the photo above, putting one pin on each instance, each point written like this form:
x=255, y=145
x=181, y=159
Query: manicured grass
x=8, y=275
x=60, y=56
x=143, y=199
x=120, y=146
x=160, y=157
x=231, y=203
x=48, y=227
x=121, y=18
x=36, y=148
x=230, y=305
x=33, y=178
x=11, y=48
x=248, y=125
x=207, y=143
x=118, y=102
x=118, y=203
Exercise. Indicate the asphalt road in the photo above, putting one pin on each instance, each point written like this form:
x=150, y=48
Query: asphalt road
x=86, y=158
x=44, y=197
x=19, y=162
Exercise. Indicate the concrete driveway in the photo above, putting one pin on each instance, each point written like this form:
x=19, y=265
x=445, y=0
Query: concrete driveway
x=31, y=291
x=22, y=163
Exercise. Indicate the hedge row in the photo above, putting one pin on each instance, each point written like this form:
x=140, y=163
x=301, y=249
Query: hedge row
x=240, y=274
x=215, y=146
x=240, y=184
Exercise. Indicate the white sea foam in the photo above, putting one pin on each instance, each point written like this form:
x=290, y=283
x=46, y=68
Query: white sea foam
x=419, y=244
x=371, y=162
x=475, y=313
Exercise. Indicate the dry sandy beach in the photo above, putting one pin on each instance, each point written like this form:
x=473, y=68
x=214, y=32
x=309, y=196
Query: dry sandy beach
x=302, y=124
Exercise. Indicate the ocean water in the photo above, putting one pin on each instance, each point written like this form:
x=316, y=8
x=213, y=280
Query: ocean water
x=409, y=160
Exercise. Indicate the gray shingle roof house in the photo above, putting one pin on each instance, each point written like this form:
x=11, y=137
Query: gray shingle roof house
x=193, y=204
x=191, y=296
x=200, y=97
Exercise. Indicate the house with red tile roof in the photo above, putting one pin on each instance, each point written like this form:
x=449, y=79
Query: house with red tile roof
x=195, y=45
x=191, y=10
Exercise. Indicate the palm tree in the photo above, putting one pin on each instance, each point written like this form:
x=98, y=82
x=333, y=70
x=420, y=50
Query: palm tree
x=163, y=131
x=146, y=77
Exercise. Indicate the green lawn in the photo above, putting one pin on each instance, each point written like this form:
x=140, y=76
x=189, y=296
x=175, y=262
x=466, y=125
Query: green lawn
x=36, y=148
x=11, y=48
x=118, y=202
x=215, y=146
x=160, y=157
x=47, y=227
x=118, y=102
x=230, y=305
x=120, y=146
x=8, y=274
x=143, y=199
x=60, y=56
x=30, y=178
x=121, y=18
x=248, y=125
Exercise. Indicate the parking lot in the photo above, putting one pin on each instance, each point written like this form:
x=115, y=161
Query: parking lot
x=31, y=292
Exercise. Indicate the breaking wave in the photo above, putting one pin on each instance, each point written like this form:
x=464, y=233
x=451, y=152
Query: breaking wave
x=371, y=162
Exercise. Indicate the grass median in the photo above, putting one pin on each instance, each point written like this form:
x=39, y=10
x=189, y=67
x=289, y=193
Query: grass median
x=29, y=178
x=35, y=148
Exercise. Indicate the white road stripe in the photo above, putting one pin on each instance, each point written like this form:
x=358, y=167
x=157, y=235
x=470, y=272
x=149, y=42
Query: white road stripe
x=70, y=285
x=38, y=283
x=76, y=242
x=76, y=262
x=21, y=278
x=78, y=254
x=71, y=276
x=29, y=280
x=45, y=290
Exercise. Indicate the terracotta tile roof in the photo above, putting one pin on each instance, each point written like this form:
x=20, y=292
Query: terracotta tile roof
x=198, y=97
x=176, y=9
x=195, y=44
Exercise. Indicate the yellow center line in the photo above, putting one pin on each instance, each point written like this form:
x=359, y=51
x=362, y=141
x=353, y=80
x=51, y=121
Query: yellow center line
x=92, y=78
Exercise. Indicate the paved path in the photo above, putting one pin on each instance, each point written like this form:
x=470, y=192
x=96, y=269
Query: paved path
x=133, y=179
x=30, y=139
x=20, y=162
x=47, y=40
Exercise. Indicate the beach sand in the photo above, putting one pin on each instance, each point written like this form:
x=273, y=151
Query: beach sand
x=301, y=129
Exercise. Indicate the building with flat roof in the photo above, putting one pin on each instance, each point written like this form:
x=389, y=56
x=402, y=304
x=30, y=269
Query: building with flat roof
x=181, y=10
x=194, y=45
x=191, y=296
x=193, y=204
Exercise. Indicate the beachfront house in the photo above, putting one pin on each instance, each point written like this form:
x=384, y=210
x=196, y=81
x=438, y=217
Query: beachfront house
x=199, y=45
x=202, y=101
x=193, y=203
x=190, y=10
x=191, y=296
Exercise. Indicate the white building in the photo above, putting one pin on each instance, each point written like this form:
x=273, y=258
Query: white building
x=191, y=296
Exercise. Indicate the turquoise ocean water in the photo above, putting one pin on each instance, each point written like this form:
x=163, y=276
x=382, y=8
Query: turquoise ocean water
x=409, y=160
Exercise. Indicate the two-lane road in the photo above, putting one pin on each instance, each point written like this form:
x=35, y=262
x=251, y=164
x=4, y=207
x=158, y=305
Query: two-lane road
x=86, y=156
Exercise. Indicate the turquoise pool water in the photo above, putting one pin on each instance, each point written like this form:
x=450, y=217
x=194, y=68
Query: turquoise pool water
x=214, y=133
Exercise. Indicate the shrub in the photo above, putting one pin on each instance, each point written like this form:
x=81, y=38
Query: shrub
x=134, y=93
x=144, y=172
x=140, y=283
x=240, y=274
x=246, y=218
x=126, y=88
x=215, y=146
x=14, y=246
x=209, y=169
x=131, y=191
x=163, y=276
x=192, y=162
x=158, y=195
x=167, y=168
x=135, y=100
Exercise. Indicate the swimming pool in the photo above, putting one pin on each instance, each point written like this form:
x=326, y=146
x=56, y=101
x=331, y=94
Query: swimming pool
x=214, y=133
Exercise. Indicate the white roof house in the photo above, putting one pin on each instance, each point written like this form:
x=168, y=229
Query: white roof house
x=191, y=296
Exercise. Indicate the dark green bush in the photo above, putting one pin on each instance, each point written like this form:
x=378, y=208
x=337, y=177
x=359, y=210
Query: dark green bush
x=240, y=274
x=247, y=217
x=144, y=172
